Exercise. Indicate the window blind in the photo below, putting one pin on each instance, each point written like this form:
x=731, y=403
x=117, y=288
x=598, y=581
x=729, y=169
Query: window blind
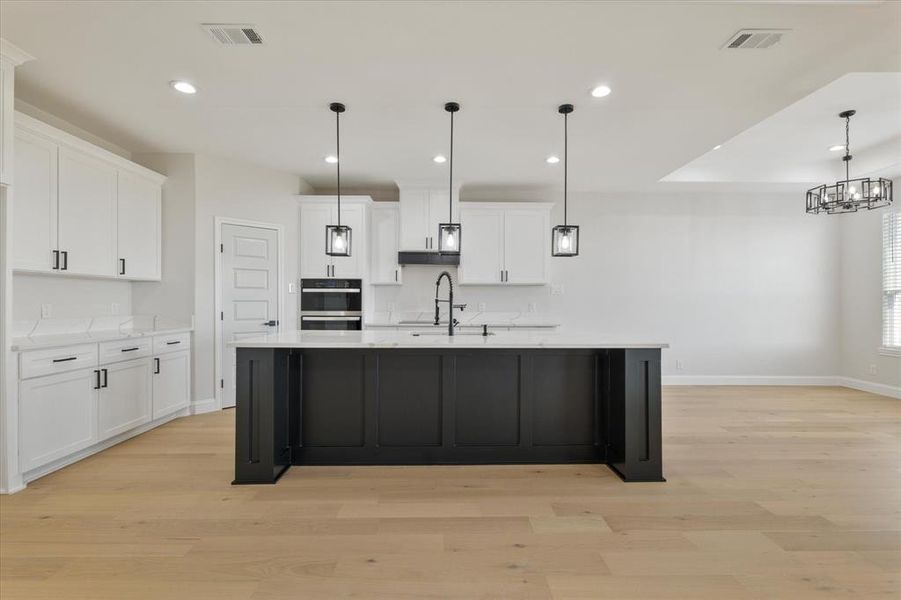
x=891, y=280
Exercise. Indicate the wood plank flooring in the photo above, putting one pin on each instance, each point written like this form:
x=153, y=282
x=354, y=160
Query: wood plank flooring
x=772, y=492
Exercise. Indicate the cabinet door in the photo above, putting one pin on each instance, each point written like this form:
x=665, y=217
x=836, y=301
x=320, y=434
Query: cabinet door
x=139, y=212
x=57, y=416
x=34, y=203
x=482, y=246
x=353, y=266
x=414, y=220
x=526, y=246
x=383, y=246
x=87, y=214
x=171, y=383
x=438, y=213
x=313, y=260
x=125, y=398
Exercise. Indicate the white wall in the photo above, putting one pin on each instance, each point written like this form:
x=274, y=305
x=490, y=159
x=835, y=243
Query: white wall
x=69, y=297
x=227, y=188
x=737, y=285
x=172, y=297
x=861, y=293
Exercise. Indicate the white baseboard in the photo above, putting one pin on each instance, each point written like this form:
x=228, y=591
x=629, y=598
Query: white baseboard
x=750, y=380
x=204, y=406
x=892, y=391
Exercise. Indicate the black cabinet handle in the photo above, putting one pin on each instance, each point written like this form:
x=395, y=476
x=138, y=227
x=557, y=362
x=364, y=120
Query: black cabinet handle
x=56, y=360
x=105, y=378
x=156, y=371
x=97, y=373
x=121, y=266
x=130, y=349
x=55, y=260
x=173, y=343
x=65, y=266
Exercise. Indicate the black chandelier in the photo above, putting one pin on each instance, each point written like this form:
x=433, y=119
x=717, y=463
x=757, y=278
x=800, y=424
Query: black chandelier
x=565, y=238
x=337, y=237
x=849, y=195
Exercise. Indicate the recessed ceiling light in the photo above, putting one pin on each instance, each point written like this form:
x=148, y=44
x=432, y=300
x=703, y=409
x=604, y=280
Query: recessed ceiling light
x=836, y=148
x=718, y=146
x=601, y=91
x=440, y=159
x=183, y=86
x=331, y=159
x=552, y=160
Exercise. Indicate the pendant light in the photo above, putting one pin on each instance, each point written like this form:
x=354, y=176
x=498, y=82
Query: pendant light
x=849, y=195
x=337, y=237
x=565, y=238
x=449, y=233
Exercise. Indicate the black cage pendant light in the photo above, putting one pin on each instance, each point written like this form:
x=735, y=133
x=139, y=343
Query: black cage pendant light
x=565, y=238
x=849, y=195
x=449, y=233
x=337, y=237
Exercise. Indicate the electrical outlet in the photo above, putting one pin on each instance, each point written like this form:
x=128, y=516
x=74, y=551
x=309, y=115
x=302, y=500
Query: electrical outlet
x=556, y=289
x=481, y=307
x=114, y=308
x=872, y=369
x=532, y=307
x=46, y=311
x=392, y=307
x=679, y=365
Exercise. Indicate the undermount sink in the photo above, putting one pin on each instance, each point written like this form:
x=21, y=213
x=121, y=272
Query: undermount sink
x=456, y=333
x=418, y=322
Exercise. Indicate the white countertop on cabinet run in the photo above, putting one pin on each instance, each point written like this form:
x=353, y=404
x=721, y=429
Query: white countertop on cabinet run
x=434, y=339
x=21, y=344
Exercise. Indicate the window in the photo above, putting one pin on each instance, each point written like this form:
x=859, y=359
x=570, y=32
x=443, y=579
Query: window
x=891, y=280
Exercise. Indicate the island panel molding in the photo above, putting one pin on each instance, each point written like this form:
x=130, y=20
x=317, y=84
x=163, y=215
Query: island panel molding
x=316, y=404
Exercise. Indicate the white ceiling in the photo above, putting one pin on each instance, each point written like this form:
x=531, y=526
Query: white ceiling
x=105, y=66
x=793, y=144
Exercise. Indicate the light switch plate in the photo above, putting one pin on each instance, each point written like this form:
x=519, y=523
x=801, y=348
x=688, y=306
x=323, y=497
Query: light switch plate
x=46, y=311
x=532, y=307
x=556, y=289
x=114, y=308
x=292, y=288
x=481, y=307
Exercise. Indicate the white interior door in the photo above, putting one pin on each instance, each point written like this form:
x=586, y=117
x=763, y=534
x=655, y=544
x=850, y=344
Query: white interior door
x=249, y=292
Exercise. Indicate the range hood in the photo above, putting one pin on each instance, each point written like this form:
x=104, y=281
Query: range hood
x=427, y=258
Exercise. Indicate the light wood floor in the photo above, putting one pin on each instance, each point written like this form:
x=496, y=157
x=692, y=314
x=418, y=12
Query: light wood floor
x=772, y=493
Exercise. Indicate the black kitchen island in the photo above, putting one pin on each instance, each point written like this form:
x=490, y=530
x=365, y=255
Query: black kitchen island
x=393, y=398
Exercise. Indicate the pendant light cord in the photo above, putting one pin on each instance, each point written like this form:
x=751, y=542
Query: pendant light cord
x=565, y=163
x=848, y=148
x=450, y=182
x=338, y=156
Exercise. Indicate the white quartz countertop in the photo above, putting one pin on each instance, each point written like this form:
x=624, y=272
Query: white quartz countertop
x=436, y=339
x=466, y=319
x=37, y=342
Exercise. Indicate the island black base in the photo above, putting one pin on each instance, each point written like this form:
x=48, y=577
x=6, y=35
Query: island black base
x=438, y=406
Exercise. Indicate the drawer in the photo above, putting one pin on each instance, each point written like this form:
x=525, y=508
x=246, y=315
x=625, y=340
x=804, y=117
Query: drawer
x=171, y=343
x=137, y=347
x=36, y=363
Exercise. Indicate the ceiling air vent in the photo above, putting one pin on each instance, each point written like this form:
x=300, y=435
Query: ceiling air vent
x=755, y=38
x=233, y=34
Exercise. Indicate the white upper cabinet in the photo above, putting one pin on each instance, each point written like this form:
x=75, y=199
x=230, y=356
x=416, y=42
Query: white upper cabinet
x=80, y=210
x=482, y=245
x=34, y=203
x=138, y=231
x=87, y=214
x=421, y=210
x=504, y=243
x=315, y=213
x=384, y=269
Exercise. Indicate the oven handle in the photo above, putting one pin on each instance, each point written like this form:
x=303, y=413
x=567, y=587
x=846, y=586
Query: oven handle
x=330, y=318
x=330, y=290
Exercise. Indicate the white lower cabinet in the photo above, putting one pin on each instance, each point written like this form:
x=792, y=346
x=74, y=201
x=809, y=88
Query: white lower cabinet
x=125, y=397
x=57, y=416
x=171, y=382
